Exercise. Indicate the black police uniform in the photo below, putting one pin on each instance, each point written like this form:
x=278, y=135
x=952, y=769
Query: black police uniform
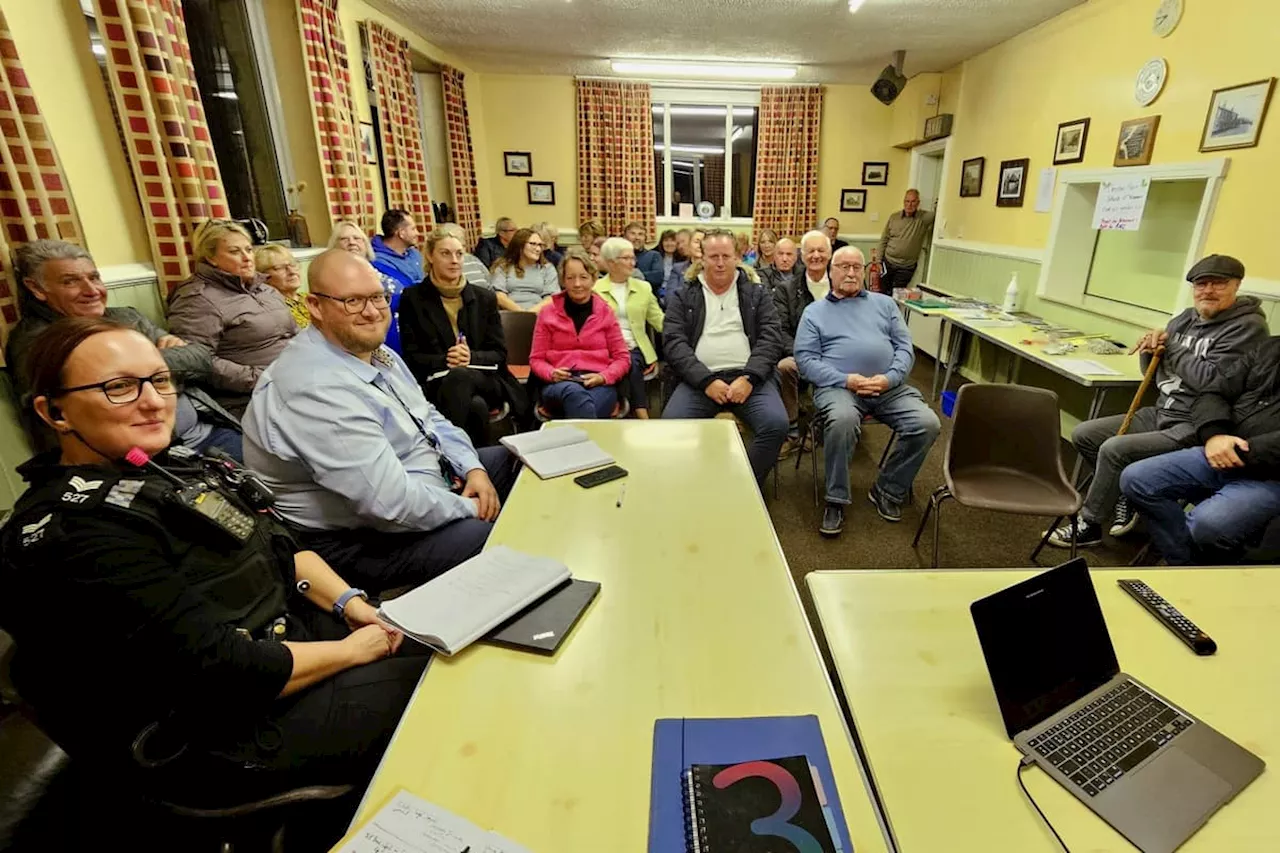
x=129, y=610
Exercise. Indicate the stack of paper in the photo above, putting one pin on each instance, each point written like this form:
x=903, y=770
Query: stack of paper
x=410, y=824
x=1086, y=367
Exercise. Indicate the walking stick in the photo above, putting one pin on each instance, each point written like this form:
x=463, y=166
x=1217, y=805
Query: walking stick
x=1142, y=390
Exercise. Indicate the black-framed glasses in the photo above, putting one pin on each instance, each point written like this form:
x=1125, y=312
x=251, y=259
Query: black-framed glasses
x=356, y=304
x=850, y=267
x=126, y=389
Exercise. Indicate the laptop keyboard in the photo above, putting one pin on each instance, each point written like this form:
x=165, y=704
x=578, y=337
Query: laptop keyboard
x=1110, y=736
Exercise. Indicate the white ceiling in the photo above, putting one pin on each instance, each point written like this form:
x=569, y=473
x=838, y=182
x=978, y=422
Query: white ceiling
x=578, y=37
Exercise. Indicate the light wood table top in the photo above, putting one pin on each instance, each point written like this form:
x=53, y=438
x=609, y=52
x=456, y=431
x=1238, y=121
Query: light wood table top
x=697, y=616
x=914, y=676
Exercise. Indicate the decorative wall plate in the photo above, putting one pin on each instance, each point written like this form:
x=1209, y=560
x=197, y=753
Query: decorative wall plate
x=1150, y=82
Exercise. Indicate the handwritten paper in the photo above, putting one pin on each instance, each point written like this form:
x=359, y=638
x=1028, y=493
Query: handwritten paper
x=1121, y=204
x=1044, y=191
x=410, y=824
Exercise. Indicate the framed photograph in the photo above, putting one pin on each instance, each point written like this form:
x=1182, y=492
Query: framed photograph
x=368, y=145
x=517, y=163
x=853, y=201
x=875, y=174
x=541, y=192
x=1072, y=137
x=1013, y=182
x=1137, y=139
x=1235, y=115
x=971, y=177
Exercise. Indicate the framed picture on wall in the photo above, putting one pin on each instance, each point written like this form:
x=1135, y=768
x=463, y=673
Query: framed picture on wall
x=368, y=145
x=1072, y=137
x=875, y=174
x=1235, y=115
x=971, y=177
x=517, y=163
x=1137, y=139
x=1013, y=182
x=853, y=201
x=541, y=192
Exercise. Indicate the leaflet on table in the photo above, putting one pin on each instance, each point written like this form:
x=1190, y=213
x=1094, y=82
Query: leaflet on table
x=442, y=373
x=410, y=824
x=1086, y=367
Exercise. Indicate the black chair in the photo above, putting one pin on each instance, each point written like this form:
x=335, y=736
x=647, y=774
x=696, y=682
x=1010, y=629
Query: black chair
x=517, y=330
x=813, y=433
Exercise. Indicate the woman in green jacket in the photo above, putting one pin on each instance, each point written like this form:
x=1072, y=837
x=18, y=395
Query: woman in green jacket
x=635, y=306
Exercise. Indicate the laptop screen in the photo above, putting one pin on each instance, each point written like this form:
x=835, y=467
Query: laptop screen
x=1045, y=642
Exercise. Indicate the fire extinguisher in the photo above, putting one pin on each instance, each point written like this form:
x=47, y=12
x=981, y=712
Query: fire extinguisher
x=873, y=274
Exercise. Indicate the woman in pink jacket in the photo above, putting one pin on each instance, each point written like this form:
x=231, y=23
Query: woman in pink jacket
x=578, y=350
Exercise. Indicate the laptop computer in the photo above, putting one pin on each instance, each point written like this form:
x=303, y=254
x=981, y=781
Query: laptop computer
x=545, y=624
x=1146, y=766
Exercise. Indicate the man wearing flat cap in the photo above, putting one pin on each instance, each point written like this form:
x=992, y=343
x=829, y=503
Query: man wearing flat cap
x=1200, y=345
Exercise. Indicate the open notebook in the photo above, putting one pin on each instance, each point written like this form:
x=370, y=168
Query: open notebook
x=556, y=452
x=459, y=607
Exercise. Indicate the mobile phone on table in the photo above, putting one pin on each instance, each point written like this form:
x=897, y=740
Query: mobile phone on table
x=600, y=477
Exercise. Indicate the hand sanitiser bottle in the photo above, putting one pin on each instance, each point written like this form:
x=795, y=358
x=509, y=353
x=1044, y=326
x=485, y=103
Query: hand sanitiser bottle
x=1011, y=295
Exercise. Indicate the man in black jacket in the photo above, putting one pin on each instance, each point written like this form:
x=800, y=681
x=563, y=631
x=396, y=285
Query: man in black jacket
x=792, y=295
x=1234, y=479
x=722, y=339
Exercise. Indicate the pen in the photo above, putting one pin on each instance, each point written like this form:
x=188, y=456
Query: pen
x=622, y=494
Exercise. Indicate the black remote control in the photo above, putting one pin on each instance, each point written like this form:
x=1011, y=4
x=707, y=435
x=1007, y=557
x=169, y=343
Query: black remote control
x=1187, y=631
x=600, y=477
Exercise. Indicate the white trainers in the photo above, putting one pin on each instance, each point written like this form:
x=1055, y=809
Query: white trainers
x=1125, y=520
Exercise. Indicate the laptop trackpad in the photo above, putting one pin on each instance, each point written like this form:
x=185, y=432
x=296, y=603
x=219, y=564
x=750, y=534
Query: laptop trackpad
x=1175, y=794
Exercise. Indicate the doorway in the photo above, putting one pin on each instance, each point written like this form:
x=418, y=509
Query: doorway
x=928, y=175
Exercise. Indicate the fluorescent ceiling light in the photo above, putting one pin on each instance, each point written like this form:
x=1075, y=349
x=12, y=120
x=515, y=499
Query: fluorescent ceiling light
x=704, y=69
x=716, y=112
x=691, y=149
x=230, y=96
x=688, y=163
x=855, y=5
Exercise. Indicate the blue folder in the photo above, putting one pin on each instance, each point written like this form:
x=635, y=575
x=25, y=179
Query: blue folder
x=678, y=743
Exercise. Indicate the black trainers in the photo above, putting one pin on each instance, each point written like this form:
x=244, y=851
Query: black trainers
x=1087, y=534
x=889, y=509
x=1126, y=518
x=832, y=520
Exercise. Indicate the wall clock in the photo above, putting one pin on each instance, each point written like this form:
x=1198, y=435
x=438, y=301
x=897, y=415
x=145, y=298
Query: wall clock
x=1150, y=81
x=1167, y=17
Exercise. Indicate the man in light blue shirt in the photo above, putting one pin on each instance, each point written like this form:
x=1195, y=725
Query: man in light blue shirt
x=372, y=477
x=856, y=351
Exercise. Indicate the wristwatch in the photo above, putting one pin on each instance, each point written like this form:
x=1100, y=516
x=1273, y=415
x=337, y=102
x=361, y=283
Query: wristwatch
x=340, y=606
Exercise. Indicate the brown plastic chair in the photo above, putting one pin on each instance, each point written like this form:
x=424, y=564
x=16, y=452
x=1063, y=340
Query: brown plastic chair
x=517, y=329
x=1004, y=455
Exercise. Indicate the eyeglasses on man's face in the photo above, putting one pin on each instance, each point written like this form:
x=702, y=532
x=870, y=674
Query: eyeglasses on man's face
x=850, y=267
x=1211, y=284
x=127, y=389
x=356, y=304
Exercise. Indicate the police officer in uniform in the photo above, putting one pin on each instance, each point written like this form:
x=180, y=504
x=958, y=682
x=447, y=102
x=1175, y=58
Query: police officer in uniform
x=167, y=632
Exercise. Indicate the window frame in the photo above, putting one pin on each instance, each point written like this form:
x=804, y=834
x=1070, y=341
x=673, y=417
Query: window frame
x=674, y=95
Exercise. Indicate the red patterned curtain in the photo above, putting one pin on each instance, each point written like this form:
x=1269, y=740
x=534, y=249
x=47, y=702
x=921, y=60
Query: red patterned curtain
x=615, y=154
x=461, y=157
x=713, y=180
x=165, y=134
x=347, y=186
x=787, y=159
x=402, y=159
x=34, y=201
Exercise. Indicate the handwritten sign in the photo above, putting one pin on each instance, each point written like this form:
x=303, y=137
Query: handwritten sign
x=1121, y=204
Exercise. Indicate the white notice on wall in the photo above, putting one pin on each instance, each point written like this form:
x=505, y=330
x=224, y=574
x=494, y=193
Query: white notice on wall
x=1044, y=192
x=1121, y=204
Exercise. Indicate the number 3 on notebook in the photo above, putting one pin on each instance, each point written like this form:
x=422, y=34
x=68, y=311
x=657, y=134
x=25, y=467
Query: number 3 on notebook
x=777, y=823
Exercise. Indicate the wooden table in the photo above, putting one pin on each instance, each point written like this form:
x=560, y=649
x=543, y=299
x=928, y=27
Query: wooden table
x=697, y=617
x=913, y=673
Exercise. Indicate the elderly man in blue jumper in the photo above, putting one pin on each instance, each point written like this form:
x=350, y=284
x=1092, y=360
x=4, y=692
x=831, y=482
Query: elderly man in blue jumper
x=856, y=351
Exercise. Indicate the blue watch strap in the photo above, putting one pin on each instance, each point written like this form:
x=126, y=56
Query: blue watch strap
x=340, y=606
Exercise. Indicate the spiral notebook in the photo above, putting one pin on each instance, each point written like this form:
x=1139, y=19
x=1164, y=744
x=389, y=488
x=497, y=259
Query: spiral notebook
x=729, y=807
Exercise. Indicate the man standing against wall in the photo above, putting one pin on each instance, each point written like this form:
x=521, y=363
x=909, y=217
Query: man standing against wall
x=906, y=233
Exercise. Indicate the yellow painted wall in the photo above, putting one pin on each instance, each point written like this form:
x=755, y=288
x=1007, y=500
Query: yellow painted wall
x=857, y=128
x=1083, y=63
x=53, y=44
x=537, y=114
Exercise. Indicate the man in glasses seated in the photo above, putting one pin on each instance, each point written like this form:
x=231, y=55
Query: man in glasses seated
x=59, y=279
x=369, y=474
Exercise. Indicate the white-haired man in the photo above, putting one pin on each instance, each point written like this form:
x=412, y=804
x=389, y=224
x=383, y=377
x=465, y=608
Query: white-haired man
x=855, y=348
x=791, y=296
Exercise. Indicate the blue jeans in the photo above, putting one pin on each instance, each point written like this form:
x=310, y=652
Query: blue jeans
x=575, y=401
x=224, y=438
x=763, y=411
x=902, y=409
x=1231, y=509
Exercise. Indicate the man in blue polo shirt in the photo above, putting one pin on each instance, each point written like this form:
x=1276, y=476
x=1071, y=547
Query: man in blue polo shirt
x=856, y=351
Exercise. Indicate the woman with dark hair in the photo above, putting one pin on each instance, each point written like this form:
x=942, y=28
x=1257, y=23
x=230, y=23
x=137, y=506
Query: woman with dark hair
x=224, y=664
x=578, y=349
x=452, y=336
x=668, y=250
x=523, y=280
